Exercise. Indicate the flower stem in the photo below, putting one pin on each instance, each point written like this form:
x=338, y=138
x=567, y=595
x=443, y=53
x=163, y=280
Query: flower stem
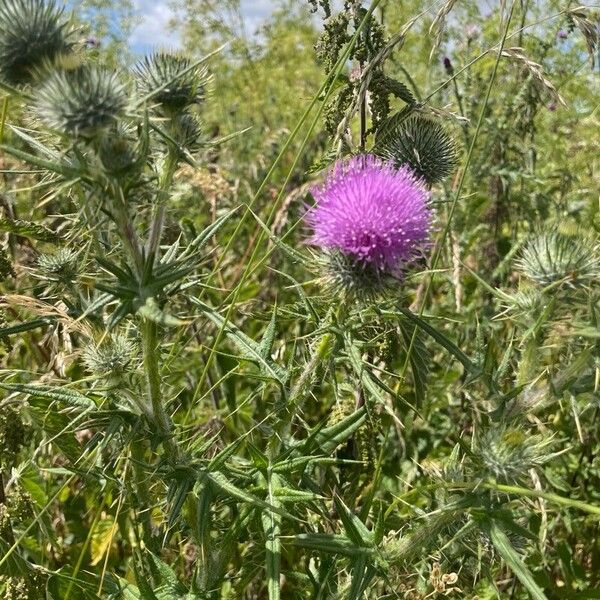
x=161, y=418
x=168, y=172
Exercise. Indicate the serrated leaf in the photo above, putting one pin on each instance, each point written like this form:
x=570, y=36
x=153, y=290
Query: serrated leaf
x=373, y=384
x=206, y=234
x=353, y=526
x=330, y=543
x=66, y=171
x=53, y=393
x=224, y=485
x=441, y=339
x=419, y=360
x=25, y=326
x=271, y=522
x=329, y=438
x=30, y=230
x=250, y=349
x=268, y=337
x=513, y=560
x=151, y=311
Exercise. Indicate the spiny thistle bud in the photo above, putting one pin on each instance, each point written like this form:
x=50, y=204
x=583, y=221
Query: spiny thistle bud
x=372, y=220
x=81, y=101
x=117, y=151
x=508, y=454
x=172, y=81
x=526, y=301
x=186, y=130
x=555, y=257
x=32, y=33
x=111, y=357
x=423, y=144
x=12, y=435
x=62, y=268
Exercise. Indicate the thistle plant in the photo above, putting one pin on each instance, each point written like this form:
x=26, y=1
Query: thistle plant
x=186, y=411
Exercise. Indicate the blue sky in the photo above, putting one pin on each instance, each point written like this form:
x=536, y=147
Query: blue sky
x=155, y=15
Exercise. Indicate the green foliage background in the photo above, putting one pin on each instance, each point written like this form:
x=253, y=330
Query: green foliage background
x=441, y=442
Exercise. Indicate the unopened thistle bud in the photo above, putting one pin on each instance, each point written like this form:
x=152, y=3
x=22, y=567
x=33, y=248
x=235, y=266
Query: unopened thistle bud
x=32, y=34
x=172, y=82
x=423, y=144
x=60, y=268
x=110, y=357
x=82, y=101
x=555, y=257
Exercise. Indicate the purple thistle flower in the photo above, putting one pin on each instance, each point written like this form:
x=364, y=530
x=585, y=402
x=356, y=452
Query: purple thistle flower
x=372, y=212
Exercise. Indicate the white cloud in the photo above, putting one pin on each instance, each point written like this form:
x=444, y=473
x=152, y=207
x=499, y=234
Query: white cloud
x=153, y=31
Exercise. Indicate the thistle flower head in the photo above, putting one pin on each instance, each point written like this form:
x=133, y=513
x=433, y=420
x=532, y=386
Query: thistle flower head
x=554, y=257
x=112, y=356
x=172, y=81
x=63, y=267
x=507, y=454
x=423, y=144
x=32, y=33
x=371, y=213
x=81, y=101
x=186, y=129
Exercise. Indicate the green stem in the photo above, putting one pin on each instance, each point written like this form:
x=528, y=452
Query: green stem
x=170, y=166
x=142, y=489
x=162, y=420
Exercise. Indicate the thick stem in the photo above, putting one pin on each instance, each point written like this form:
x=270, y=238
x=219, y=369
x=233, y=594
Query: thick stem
x=161, y=418
x=142, y=489
x=158, y=220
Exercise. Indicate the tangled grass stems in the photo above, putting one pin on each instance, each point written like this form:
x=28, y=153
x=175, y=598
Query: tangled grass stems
x=440, y=243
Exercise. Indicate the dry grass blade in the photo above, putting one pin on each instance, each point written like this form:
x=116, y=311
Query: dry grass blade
x=535, y=71
x=589, y=30
x=439, y=25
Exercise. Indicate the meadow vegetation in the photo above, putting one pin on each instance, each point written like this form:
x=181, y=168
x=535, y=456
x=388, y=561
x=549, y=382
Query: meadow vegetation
x=308, y=312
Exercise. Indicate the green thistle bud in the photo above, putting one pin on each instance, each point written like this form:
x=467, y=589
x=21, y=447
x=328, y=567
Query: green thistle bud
x=172, y=81
x=32, y=33
x=423, y=144
x=559, y=257
x=186, y=130
x=508, y=454
x=117, y=152
x=61, y=268
x=111, y=357
x=81, y=101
